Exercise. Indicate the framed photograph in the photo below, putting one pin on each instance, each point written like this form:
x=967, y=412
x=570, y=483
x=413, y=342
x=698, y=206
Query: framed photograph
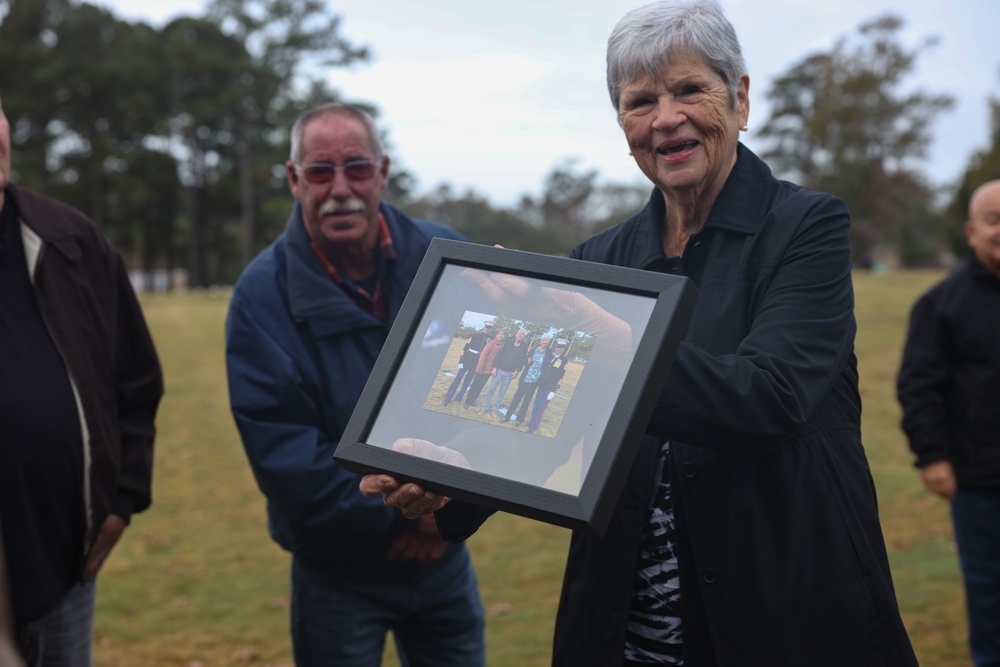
x=518, y=381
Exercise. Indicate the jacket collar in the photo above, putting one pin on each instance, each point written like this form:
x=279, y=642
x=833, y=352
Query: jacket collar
x=41, y=216
x=739, y=208
x=745, y=198
x=312, y=294
x=980, y=272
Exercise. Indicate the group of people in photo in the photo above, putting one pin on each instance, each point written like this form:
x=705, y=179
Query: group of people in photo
x=494, y=361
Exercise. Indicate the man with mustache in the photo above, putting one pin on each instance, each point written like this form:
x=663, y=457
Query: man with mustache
x=307, y=320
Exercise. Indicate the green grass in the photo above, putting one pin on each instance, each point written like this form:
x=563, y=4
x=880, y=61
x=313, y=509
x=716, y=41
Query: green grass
x=915, y=523
x=197, y=582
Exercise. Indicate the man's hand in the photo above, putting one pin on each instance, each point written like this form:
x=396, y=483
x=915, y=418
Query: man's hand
x=414, y=500
x=111, y=531
x=424, y=543
x=939, y=478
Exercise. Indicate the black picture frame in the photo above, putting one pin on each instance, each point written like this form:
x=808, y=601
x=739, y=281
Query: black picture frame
x=618, y=330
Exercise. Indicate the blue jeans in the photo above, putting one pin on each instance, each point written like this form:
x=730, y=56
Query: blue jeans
x=340, y=617
x=498, y=384
x=976, y=517
x=63, y=637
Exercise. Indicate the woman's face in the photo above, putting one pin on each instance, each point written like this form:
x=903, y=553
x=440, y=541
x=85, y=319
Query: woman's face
x=682, y=126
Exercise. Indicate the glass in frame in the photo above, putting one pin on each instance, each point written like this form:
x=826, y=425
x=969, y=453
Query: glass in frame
x=555, y=441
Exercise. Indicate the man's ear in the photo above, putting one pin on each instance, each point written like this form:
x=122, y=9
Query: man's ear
x=293, y=178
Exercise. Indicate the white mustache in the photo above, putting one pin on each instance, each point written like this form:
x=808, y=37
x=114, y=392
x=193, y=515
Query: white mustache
x=334, y=206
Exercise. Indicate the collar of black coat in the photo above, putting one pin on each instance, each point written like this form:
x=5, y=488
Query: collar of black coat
x=740, y=207
x=979, y=270
x=53, y=221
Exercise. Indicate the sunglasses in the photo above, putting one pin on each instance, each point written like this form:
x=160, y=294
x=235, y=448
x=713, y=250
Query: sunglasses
x=319, y=173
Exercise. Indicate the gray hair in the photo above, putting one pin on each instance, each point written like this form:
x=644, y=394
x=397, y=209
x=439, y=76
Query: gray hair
x=645, y=39
x=335, y=109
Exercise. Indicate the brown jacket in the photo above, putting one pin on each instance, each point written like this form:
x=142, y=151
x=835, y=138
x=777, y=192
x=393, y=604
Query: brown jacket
x=487, y=360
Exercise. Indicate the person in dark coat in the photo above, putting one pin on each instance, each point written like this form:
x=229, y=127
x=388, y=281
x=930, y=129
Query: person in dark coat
x=80, y=384
x=553, y=370
x=509, y=362
x=948, y=386
x=748, y=533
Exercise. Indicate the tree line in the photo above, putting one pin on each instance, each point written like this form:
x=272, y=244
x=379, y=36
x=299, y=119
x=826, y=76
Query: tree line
x=174, y=139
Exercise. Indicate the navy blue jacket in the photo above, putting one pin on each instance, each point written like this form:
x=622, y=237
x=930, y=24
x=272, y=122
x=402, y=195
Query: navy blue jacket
x=298, y=353
x=780, y=550
x=949, y=380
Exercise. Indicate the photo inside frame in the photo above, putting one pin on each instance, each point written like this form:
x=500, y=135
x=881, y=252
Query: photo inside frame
x=445, y=402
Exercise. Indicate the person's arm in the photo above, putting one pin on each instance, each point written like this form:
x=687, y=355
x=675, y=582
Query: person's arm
x=279, y=413
x=921, y=387
x=561, y=371
x=799, y=341
x=139, y=387
x=522, y=361
x=939, y=477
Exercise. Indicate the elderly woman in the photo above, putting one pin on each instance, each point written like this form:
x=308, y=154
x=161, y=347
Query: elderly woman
x=748, y=533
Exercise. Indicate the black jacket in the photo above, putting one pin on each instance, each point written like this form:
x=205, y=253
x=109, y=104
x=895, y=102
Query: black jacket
x=949, y=381
x=95, y=320
x=553, y=370
x=780, y=550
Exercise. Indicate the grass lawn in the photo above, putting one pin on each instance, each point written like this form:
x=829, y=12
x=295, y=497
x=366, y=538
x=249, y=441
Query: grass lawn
x=197, y=582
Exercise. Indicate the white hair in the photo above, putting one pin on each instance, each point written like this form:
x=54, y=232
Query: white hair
x=644, y=40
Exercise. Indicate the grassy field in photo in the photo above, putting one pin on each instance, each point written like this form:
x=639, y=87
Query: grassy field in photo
x=197, y=582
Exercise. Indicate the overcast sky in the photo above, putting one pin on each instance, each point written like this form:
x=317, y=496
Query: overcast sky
x=492, y=95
